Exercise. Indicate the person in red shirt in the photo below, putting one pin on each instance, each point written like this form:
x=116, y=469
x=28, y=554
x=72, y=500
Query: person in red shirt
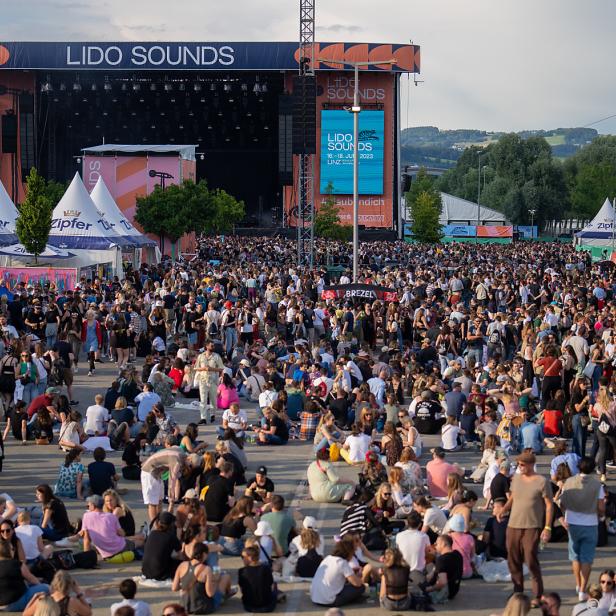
x=47, y=400
x=552, y=368
x=553, y=415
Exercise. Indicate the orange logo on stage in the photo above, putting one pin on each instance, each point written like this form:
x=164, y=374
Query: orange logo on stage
x=4, y=55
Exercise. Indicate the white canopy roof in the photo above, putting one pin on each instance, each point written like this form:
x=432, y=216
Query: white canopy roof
x=50, y=252
x=187, y=152
x=76, y=223
x=107, y=206
x=8, y=216
x=599, y=231
x=460, y=211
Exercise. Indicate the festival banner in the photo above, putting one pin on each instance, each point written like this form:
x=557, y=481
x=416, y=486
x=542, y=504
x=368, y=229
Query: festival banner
x=459, y=230
x=359, y=292
x=64, y=278
x=494, y=231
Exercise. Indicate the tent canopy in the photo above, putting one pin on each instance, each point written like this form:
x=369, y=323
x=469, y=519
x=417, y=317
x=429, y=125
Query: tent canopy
x=107, y=206
x=186, y=152
x=76, y=223
x=460, y=211
x=8, y=216
x=600, y=230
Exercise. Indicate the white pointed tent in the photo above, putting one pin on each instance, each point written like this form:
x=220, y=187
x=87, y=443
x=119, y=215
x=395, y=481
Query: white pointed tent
x=600, y=230
x=8, y=216
x=107, y=206
x=78, y=226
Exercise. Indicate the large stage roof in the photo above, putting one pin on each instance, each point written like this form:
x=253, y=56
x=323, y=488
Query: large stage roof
x=216, y=56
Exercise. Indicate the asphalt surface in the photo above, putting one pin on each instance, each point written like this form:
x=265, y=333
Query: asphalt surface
x=26, y=466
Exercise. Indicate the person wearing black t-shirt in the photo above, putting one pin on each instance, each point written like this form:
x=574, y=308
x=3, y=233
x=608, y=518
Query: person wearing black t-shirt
x=260, y=487
x=495, y=532
x=259, y=592
x=428, y=414
x=445, y=582
x=500, y=486
x=274, y=430
x=219, y=493
x=35, y=320
x=102, y=474
x=162, y=547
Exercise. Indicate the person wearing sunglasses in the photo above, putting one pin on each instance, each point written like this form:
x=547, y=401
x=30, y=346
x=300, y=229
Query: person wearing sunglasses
x=607, y=582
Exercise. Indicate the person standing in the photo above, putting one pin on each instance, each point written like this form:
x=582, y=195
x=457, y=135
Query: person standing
x=208, y=368
x=583, y=501
x=529, y=504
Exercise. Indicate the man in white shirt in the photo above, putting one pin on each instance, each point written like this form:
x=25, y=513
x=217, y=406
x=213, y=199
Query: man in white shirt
x=128, y=589
x=413, y=544
x=97, y=417
x=235, y=419
x=146, y=400
x=31, y=538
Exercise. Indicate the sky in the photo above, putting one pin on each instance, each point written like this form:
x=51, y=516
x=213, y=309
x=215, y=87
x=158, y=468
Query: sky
x=502, y=65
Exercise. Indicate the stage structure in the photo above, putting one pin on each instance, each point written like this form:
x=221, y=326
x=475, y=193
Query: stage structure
x=238, y=103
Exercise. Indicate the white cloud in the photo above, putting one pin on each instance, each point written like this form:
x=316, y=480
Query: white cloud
x=492, y=64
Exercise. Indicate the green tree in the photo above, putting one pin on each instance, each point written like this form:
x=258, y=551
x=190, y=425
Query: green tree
x=55, y=191
x=327, y=220
x=425, y=211
x=34, y=221
x=185, y=208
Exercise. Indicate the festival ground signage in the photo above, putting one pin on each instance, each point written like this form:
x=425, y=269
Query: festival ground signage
x=367, y=292
x=62, y=277
x=495, y=231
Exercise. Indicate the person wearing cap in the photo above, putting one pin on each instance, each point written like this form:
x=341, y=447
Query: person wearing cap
x=437, y=471
x=530, y=507
x=269, y=547
x=260, y=487
x=102, y=530
x=208, y=369
x=48, y=400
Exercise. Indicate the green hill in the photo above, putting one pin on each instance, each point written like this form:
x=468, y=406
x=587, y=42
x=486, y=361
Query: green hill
x=429, y=146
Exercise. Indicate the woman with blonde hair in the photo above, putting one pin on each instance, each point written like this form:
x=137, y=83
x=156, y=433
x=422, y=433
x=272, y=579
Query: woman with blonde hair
x=404, y=501
x=113, y=503
x=413, y=478
x=455, y=488
x=383, y=507
x=489, y=457
x=327, y=434
x=517, y=605
x=66, y=594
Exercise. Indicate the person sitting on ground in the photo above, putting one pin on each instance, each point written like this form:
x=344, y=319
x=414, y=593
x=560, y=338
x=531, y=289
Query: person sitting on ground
x=335, y=583
x=128, y=590
x=162, y=549
x=202, y=590
x=97, y=417
x=102, y=474
x=495, y=532
x=260, y=488
x=66, y=594
x=434, y=519
x=235, y=419
x=445, y=583
x=394, y=594
x=324, y=483
x=113, y=503
x=437, y=472
x=356, y=446
x=273, y=430
x=414, y=546
x=70, y=482
x=281, y=520
x=235, y=524
x=259, y=591
x=31, y=538
x=102, y=530
x=463, y=542
x=305, y=551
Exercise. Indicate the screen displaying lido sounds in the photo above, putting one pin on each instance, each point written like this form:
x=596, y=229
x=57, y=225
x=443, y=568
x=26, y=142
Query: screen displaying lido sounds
x=337, y=152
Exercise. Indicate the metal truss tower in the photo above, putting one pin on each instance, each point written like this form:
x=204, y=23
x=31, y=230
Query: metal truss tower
x=305, y=188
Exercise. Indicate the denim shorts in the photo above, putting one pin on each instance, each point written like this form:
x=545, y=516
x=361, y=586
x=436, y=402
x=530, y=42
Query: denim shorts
x=582, y=543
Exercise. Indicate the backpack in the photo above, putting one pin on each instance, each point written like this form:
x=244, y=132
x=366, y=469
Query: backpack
x=55, y=378
x=308, y=564
x=494, y=337
x=7, y=375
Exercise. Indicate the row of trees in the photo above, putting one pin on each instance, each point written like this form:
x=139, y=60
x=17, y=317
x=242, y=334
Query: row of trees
x=516, y=175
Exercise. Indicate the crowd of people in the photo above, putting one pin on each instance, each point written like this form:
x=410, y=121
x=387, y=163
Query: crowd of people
x=501, y=352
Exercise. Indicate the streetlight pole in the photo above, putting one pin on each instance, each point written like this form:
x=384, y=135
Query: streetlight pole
x=478, y=189
x=532, y=220
x=356, y=110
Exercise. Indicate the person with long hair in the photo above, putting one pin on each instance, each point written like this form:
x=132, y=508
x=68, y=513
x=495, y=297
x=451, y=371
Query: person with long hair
x=413, y=479
x=226, y=393
x=394, y=594
x=580, y=413
x=383, y=507
x=91, y=338
x=240, y=518
x=327, y=433
x=113, y=503
x=488, y=457
x=391, y=444
x=70, y=482
x=518, y=604
x=190, y=441
x=55, y=523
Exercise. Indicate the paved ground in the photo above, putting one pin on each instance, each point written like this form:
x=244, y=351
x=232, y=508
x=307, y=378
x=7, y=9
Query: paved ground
x=24, y=467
